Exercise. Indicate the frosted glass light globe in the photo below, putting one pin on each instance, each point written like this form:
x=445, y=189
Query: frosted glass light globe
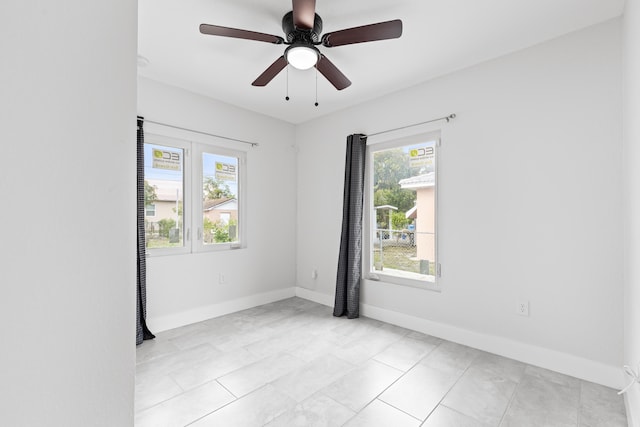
x=302, y=57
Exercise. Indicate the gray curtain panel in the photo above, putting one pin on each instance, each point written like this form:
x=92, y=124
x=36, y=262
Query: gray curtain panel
x=142, y=332
x=350, y=259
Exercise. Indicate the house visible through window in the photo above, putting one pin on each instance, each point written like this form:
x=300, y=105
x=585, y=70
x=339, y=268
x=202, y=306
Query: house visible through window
x=164, y=184
x=183, y=179
x=220, y=174
x=402, y=211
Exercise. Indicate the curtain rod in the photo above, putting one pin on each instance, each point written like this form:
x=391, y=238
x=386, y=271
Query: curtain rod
x=447, y=118
x=253, y=144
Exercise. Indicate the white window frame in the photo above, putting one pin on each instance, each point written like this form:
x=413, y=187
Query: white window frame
x=192, y=208
x=186, y=194
x=198, y=245
x=369, y=218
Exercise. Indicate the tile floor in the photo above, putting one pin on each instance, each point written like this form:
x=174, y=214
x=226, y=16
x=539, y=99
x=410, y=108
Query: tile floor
x=291, y=363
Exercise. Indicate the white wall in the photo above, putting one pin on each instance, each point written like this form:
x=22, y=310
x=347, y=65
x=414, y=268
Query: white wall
x=185, y=288
x=67, y=130
x=631, y=42
x=530, y=204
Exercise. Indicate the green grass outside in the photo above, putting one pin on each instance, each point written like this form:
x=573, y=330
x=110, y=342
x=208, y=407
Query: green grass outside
x=400, y=258
x=161, y=242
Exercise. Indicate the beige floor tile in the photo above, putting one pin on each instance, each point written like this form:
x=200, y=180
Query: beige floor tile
x=305, y=381
x=155, y=390
x=405, y=353
x=253, y=410
x=446, y=417
x=317, y=411
x=539, y=402
x=258, y=374
x=185, y=408
x=601, y=406
x=420, y=390
x=481, y=394
x=212, y=368
x=380, y=414
x=360, y=386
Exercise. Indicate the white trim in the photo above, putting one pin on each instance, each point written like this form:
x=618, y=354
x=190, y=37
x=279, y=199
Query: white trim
x=241, y=156
x=185, y=146
x=568, y=364
x=192, y=206
x=404, y=278
x=199, y=314
x=314, y=296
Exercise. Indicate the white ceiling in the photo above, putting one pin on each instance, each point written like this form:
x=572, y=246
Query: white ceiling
x=440, y=36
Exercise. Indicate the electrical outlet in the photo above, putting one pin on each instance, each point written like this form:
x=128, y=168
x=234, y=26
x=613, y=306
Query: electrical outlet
x=522, y=308
x=314, y=273
x=222, y=279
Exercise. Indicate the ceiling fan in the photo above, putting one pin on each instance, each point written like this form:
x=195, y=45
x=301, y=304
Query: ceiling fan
x=302, y=28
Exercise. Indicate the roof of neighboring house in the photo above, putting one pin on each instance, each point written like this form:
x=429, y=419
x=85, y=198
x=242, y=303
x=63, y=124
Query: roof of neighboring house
x=386, y=207
x=166, y=191
x=420, y=181
x=217, y=203
x=412, y=213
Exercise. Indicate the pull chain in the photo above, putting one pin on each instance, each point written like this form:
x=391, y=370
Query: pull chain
x=287, y=96
x=316, y=104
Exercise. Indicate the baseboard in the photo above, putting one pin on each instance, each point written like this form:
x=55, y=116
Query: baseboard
x=314, y=296
x=568, y=364
x=187, y=317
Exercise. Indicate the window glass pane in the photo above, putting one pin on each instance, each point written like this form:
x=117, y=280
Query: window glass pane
x=404, y=204
x=220, y=199
x=164, y=196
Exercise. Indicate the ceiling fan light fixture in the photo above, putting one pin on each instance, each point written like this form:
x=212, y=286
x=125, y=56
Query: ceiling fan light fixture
x=302, y=57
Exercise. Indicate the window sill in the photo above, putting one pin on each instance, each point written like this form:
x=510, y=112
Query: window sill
x=405, y=278
x=218, y=247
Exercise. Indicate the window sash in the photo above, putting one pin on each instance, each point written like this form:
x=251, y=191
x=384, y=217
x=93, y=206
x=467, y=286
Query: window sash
x=199, y=244
x=171, y=143
x=369, y=271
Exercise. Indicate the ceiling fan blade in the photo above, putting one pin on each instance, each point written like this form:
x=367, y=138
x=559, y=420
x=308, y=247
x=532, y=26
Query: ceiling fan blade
x=366, y=33
x=304, y=14
x=331, y=72
x=216, y=30
x=270, y=72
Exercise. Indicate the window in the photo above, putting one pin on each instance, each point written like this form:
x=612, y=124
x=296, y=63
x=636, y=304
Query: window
x=401, y=218
x=150, y=210
x=164, y=187
x=193, y=196
x=220, y=172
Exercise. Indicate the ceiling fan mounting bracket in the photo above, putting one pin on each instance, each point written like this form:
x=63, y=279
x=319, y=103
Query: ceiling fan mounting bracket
x=296, y=35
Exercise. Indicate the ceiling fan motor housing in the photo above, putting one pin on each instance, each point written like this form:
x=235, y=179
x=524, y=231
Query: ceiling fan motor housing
x=298, y=35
